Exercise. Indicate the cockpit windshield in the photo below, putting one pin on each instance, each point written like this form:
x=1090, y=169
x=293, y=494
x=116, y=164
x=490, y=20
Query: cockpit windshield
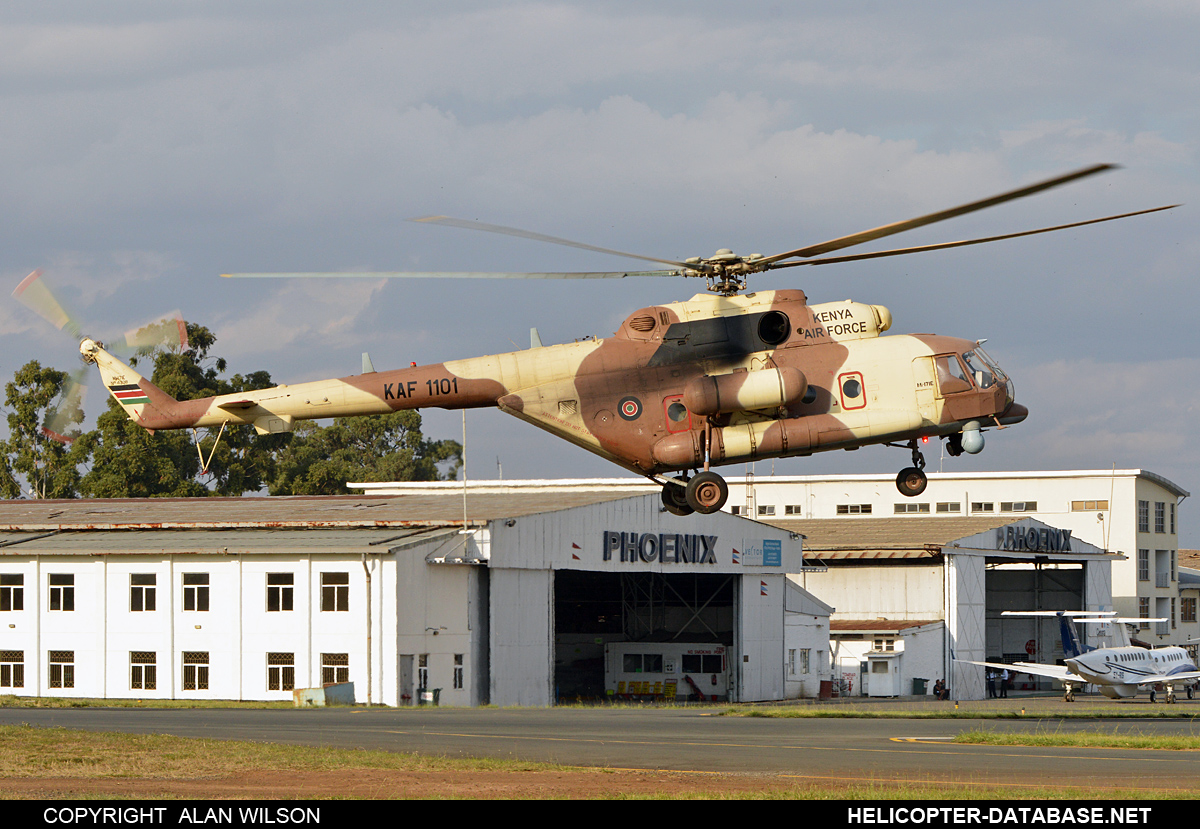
x=980, y=369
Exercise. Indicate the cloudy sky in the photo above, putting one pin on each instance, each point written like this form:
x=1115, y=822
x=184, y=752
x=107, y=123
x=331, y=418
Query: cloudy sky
x=149, y=147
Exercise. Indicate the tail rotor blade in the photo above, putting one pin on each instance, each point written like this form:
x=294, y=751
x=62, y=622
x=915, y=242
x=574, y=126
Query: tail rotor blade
x=67, y=412
x=34, y=295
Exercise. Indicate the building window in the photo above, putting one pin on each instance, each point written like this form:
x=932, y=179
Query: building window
x=12, y=667
x=458, y=671
x=791, y=662
x=423, y=671
x=1172, y=612
x=982, y=506
x=1143, y=565
x=279, y=591
x=735, y=510
x=853, y=509
x=281, y=671
x=1018, y=506
x=949, y=506
x=885, y=643
x=766, y=509
x=805, y=654
x=1172, y=505
x=1088, y=506
x=195, y=670
x=335, y=591
x=1174, y=553
x=792, y=509
x=335, y=667
x=1160, y=517
x=62, y=669
x=1187, y=610
x=142, y=670
x=1143, y=516
x=909, y=507
x=12, y=591
x=141, y=592
x=62, y=591
x=1144, y=611
x=195, y=591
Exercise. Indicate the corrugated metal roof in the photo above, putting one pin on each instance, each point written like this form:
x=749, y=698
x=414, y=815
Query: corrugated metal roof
x=877, y=625
x=219, y=542
x=906, y=537
x=349, y=511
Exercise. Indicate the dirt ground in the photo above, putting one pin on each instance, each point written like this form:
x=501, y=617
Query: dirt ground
x=372, y=783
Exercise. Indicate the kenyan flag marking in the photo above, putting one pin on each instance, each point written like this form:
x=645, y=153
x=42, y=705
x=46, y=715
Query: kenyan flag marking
x=129, y=395
x=630, y=408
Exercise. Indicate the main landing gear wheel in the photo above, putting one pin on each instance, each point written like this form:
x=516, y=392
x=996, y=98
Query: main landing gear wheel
x=911, y=482
x=674, y=499
x=706, y=493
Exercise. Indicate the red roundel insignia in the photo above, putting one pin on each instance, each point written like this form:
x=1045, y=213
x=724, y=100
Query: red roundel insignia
x=630, y=408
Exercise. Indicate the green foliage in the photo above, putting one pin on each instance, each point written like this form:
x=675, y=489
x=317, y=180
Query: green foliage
x=33, y=463
x=126, y=461
x=320, y=460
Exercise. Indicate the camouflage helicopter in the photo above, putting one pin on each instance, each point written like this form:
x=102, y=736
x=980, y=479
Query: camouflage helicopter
x=725, y=377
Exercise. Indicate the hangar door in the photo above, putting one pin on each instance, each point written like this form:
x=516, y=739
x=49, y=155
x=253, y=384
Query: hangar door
x=1028, y=586
x=685, y=620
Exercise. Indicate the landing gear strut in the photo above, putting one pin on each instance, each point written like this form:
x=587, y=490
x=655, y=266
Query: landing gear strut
x=912, y=481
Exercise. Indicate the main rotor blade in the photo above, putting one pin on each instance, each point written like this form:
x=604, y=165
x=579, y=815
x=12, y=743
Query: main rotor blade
x=921, y=221
x=830, y=260
x=467, y=224
x=455, y=275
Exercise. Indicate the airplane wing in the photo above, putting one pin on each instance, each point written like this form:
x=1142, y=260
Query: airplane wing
x=1183, y=676
x=1059, y=672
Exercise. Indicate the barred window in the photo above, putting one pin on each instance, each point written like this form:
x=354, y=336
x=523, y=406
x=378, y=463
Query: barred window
x=458, y=671
x=1143, y=565
x=62, y=669
x=281, y=671
x=335, y=667
x=335, y=591
x=195, y=591
x=12, y=591
x=1160, y=517
x=143, y=670
x=12, y=669
x=1144, y=611
x=195, y=670
x=1187, y=610
x=1143, y=516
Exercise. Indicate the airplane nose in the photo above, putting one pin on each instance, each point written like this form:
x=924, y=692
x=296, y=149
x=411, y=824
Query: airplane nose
x=1015, y=413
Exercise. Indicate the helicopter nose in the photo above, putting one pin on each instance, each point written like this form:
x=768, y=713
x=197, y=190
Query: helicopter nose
x=1015, y=413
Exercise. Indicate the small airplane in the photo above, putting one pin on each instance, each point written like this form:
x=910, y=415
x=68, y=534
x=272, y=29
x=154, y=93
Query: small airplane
x=725, y=377
x=1118, y=671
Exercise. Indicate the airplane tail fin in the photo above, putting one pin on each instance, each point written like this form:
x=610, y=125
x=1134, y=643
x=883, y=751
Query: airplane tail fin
x=145, y=403
x=1071, y=645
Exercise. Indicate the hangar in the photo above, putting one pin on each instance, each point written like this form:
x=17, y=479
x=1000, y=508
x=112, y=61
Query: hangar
x=509, y=598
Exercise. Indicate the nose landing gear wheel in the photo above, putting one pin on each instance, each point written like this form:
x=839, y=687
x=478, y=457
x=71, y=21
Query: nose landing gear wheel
x=706, y=493
x=911, y=482
x=674, y=498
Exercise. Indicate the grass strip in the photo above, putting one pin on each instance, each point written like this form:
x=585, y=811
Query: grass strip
x=1081, y=739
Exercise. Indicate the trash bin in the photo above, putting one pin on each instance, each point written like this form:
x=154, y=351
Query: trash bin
x=919, y=686
x=428, y=696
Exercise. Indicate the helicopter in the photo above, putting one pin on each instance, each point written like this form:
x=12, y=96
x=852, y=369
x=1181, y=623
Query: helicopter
x=728, y=376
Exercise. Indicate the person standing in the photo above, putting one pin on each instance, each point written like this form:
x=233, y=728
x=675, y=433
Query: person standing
x=1004, y=684
x=991, y=680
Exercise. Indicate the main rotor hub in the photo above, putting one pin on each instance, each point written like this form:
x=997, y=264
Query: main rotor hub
x=725, y=271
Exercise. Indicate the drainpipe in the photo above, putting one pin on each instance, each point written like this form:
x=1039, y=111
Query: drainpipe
x=370, y=684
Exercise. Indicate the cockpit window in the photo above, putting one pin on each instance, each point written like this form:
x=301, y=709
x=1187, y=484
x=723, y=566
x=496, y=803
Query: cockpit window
x=951, y=377
x=980, y=370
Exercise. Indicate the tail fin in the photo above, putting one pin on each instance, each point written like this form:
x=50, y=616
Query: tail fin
x=1071, y=645
x=144, y=402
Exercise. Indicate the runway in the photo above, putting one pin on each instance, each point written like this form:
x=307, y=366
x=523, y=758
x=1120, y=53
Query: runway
x=689, y=740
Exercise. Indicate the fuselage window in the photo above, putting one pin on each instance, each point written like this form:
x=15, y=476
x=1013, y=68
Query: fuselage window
x=980, y=370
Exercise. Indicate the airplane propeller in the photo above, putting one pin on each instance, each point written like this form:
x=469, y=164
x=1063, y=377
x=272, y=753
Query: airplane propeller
x=166, y=330
x=726, y=271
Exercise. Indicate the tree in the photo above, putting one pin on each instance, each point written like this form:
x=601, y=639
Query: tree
x=47, y=466
x=129, y=462
x=320, y=460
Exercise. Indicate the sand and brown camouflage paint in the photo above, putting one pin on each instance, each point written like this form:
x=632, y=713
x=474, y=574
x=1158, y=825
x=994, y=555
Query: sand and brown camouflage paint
x=748, y=376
